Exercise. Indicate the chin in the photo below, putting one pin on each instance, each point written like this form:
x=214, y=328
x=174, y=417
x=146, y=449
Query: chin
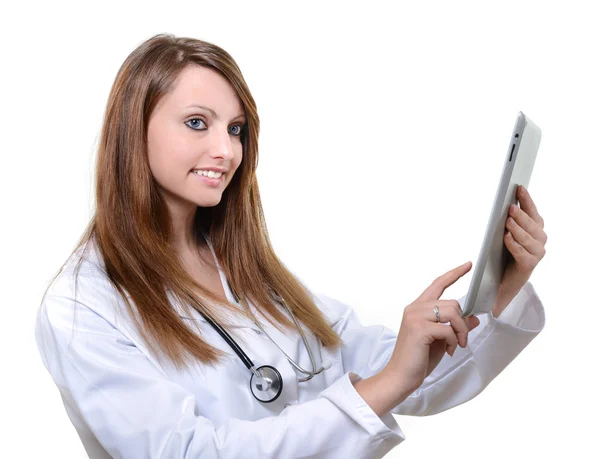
x=208, y=202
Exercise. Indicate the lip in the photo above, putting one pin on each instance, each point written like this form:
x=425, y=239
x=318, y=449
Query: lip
x=212, y=182
x=214, y=169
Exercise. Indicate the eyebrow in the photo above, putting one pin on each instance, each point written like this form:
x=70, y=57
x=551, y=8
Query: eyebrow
x=212, y=112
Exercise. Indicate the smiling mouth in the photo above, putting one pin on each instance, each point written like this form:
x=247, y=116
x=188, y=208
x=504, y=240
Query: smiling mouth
x=209, y=174
x=211, y=181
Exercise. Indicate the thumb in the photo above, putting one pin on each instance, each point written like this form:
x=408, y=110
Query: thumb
x=472, y=322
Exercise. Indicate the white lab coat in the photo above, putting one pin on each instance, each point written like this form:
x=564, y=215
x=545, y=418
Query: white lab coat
x=125, y=404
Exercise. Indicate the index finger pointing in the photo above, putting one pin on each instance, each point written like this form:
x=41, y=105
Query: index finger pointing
x=437, y=287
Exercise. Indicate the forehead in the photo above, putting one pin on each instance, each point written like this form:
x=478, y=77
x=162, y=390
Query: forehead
x=203, y=86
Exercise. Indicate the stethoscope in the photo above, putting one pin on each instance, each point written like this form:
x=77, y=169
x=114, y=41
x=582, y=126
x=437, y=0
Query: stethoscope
x=266, y=382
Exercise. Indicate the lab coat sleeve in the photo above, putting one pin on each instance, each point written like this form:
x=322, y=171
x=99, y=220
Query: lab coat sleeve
x=133, y=410
x=492, y=345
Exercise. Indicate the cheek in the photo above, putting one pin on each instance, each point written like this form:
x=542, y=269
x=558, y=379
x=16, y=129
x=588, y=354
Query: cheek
x=168, y=157
x=237, y=160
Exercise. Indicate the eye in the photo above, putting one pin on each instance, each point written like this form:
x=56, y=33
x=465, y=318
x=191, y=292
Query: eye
x=195, y=119
x=240, y=127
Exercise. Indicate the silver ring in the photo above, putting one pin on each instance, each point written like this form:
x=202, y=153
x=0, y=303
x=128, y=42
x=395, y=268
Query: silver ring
x=437, y=314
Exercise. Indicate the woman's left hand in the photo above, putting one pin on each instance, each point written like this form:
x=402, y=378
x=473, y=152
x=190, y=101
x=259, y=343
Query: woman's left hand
x=525, y=239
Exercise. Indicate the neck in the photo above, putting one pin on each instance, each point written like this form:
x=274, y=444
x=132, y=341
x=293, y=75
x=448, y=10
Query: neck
x=182, y=219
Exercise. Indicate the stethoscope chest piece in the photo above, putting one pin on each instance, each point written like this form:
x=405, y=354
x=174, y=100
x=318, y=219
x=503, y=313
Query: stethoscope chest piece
x=268, y=387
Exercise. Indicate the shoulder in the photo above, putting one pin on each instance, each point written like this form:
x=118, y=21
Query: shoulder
x=84, y=266
x=334, y=309
x=82, y=284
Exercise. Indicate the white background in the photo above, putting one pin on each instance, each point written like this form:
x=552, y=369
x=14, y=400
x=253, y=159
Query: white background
x=384, y=129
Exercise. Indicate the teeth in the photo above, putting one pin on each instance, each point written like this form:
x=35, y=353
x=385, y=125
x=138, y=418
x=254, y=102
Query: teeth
x=211, y=174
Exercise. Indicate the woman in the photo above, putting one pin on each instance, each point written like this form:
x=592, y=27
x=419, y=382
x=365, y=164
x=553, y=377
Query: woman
x=178, y=245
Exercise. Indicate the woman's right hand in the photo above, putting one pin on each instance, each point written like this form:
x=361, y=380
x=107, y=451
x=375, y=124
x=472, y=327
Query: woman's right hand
x=422, y=341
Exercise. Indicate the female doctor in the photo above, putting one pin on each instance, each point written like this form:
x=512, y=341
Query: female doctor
x=174, y=331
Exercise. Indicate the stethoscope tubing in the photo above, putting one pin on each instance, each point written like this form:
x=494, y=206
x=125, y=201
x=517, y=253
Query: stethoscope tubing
x=269, y=382
x=227, y=337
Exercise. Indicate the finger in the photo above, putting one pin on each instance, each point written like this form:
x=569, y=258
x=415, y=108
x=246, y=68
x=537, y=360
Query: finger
x=527, y=204
x=521, y=255
x=437, y=287
x=527, y=241
x=472, y=322
x=527, y=223
x=444, y=333
x=450, y=312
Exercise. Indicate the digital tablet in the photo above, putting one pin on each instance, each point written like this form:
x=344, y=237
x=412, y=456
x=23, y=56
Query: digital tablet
x=493, y=255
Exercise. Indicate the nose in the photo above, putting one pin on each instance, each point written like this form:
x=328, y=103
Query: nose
x=221, y=144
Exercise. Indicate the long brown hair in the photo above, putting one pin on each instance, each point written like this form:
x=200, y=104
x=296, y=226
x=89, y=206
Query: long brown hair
x=131, y=226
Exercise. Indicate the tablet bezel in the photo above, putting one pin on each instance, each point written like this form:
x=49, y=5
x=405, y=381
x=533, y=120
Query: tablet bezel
x=493, y=255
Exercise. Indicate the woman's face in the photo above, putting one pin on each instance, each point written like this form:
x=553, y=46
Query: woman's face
x=183, y=137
